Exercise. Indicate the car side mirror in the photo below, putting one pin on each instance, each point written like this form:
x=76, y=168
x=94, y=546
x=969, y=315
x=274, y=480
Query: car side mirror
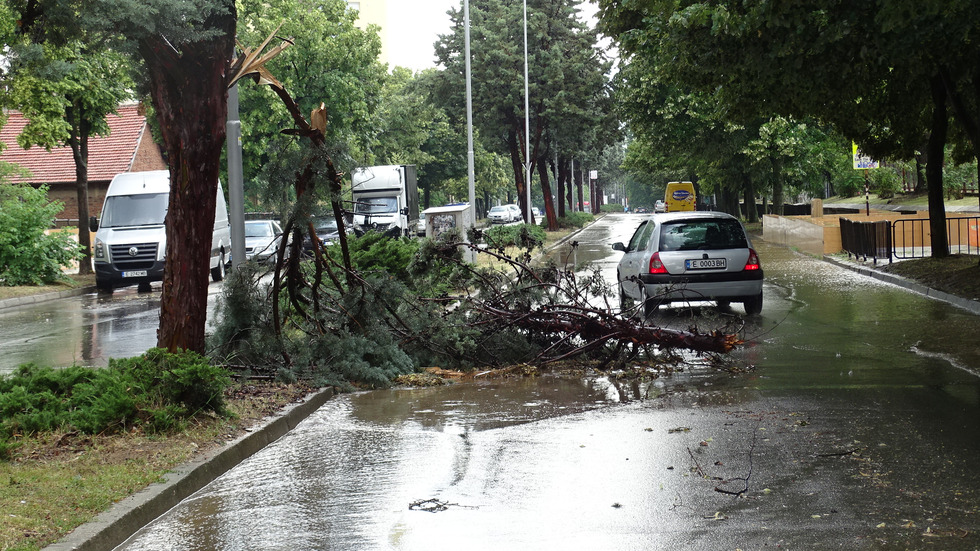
x=93, y=224
x=619, y=247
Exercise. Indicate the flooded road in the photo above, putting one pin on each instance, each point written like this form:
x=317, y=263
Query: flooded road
x=854, y=428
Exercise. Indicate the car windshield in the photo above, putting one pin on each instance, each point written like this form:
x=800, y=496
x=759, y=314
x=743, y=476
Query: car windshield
x=135, y=210
x=259, y=229
x=376, y=205
x=325, y=225
x=496, y=210
x=686, y=235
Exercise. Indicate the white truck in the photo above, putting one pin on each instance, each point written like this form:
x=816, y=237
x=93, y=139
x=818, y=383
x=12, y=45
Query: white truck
x=131, y=238
x=386, y=199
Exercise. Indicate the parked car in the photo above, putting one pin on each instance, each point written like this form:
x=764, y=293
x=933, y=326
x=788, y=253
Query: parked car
x=326, y=230
x=660, y=206
x=420, y=227
x=260, y=238
x=689, y=256
x=504, y=214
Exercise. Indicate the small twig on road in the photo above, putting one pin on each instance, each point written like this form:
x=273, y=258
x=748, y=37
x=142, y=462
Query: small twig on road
x=747, y=476
x=697, y=465
x=839, y=454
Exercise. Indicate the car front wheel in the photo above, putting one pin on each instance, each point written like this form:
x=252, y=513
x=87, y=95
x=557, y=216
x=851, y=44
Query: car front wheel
x=218, y=272
x=753, y=305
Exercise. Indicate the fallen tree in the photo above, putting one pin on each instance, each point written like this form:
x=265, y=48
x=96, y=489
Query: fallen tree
x=369, y=309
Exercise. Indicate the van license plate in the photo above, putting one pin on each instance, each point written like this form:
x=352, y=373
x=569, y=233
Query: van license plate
x=706, y=263
x=135, y=273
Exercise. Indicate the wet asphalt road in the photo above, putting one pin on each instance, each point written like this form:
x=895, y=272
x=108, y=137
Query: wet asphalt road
x=85, y=330
x=854, y=426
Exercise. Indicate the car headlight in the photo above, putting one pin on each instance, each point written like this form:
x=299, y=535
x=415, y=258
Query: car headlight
x=99, y=249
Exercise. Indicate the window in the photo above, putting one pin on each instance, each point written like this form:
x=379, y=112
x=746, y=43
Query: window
x=135, y=210
x=376, y=205
x=702, y=235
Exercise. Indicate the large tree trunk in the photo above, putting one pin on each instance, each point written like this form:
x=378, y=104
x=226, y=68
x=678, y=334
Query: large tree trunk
x=549, y=205
x=79, y=150
x=562, y=184
x=751, y=212
x=581, y=200
x=189, y=90
x=516, y=158
x=934, y=169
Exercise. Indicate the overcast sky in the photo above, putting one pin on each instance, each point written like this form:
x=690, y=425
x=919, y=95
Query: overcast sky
x=414, y=25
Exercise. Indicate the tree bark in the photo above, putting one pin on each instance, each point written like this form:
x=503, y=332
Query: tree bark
x=562, y=185
x=189, y=90
x=79, y=150
x=934, y=169
x=549, y=205
x=515, y=161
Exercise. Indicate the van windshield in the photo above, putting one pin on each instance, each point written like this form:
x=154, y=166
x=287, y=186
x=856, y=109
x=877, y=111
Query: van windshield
x=134, y=210
x=376, y=205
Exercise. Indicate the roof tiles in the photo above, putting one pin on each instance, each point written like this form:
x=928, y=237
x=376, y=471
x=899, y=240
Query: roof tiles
x=108, y=155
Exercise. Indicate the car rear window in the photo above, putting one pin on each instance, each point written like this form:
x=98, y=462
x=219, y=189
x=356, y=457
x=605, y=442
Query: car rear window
x=686, y=235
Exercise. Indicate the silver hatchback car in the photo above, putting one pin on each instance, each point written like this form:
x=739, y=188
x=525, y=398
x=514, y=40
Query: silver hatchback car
x=689, y=256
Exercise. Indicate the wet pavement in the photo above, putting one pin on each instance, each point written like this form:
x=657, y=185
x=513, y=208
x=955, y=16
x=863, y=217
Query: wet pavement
x=83, y=330
x=854, y=427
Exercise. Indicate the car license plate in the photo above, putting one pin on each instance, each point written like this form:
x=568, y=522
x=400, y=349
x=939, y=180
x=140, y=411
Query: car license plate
x=135, y=273
x=705, y=263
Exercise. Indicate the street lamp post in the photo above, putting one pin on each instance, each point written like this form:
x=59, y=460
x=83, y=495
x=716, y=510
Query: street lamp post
x=527, y=128
x=470, y=169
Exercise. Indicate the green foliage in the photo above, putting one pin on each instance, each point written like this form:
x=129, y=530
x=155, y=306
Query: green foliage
x=885, y=182
x=28, y=256
x=155, y=391
x=527, y=236
x=576, y=220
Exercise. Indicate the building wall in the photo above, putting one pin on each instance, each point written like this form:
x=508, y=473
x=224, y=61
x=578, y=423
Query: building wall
x=148, y=157
x=374, y=12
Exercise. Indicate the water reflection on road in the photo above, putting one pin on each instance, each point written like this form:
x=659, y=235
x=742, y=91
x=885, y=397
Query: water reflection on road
x=84, y=330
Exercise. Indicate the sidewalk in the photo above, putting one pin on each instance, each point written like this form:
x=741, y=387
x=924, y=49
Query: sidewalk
x=44, y=297
x=884, y=206
x=870, y=270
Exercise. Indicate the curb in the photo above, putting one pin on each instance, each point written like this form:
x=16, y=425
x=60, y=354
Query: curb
x=44, y=297
x=970, y=305
x=126, y=517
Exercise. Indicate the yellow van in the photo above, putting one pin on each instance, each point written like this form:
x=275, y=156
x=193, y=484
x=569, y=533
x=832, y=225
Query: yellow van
x=680, y=196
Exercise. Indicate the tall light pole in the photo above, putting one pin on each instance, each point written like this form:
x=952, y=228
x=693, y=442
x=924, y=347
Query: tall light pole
x=527, y=128
x=470, y=169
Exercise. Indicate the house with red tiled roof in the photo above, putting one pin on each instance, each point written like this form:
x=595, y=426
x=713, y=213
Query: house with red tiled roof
x=129, y=147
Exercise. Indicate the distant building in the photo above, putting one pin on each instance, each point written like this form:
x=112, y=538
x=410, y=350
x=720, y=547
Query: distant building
x=129, y=147
x=373, y=12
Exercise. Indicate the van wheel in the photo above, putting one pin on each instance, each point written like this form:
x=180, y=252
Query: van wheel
x=218, y=272
x=103, y=286
x=753, y=305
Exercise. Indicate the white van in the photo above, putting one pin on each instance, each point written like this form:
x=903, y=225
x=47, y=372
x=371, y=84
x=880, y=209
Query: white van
x=131, y=239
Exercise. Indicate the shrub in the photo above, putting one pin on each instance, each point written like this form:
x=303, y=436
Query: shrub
x=28, y=256
x=519, y=235
x=575, y=220
x=156, y=391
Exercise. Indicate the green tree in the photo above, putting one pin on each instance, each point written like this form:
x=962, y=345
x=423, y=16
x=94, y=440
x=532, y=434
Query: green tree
x=330, y=61
x=186, y=48
x=28, y=255
x=566, y=78
x=884, y=73
x=66, y=93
